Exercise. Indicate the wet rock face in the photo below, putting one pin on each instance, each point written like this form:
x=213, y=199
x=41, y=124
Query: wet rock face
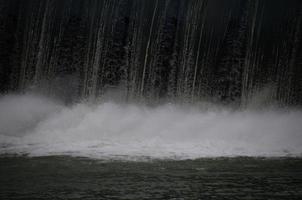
x=188, y=51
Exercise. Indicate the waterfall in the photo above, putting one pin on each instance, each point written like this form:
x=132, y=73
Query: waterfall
x=153, y=51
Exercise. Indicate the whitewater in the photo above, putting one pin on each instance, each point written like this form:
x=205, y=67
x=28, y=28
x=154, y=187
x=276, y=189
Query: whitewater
x=34, y=125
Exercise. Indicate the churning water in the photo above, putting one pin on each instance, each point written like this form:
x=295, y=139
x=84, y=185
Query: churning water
x=38, y=126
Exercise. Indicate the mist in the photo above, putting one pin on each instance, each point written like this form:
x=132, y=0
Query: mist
x=34, y=125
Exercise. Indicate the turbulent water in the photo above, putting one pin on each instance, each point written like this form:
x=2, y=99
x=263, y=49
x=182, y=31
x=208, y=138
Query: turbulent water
x=38, y=126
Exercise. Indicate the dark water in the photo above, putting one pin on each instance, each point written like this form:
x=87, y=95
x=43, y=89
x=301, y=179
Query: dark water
x=79, y=178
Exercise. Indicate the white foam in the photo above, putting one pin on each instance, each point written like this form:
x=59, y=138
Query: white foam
x=38, y=127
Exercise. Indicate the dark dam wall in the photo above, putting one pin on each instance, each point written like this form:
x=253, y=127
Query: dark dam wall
x=216, y=50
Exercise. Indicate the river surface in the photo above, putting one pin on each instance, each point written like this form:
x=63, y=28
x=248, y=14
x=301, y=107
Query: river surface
x=65, y=177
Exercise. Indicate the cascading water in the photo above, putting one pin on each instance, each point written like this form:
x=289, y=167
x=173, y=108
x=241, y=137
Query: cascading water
x=171, y=54
x=153, y=50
